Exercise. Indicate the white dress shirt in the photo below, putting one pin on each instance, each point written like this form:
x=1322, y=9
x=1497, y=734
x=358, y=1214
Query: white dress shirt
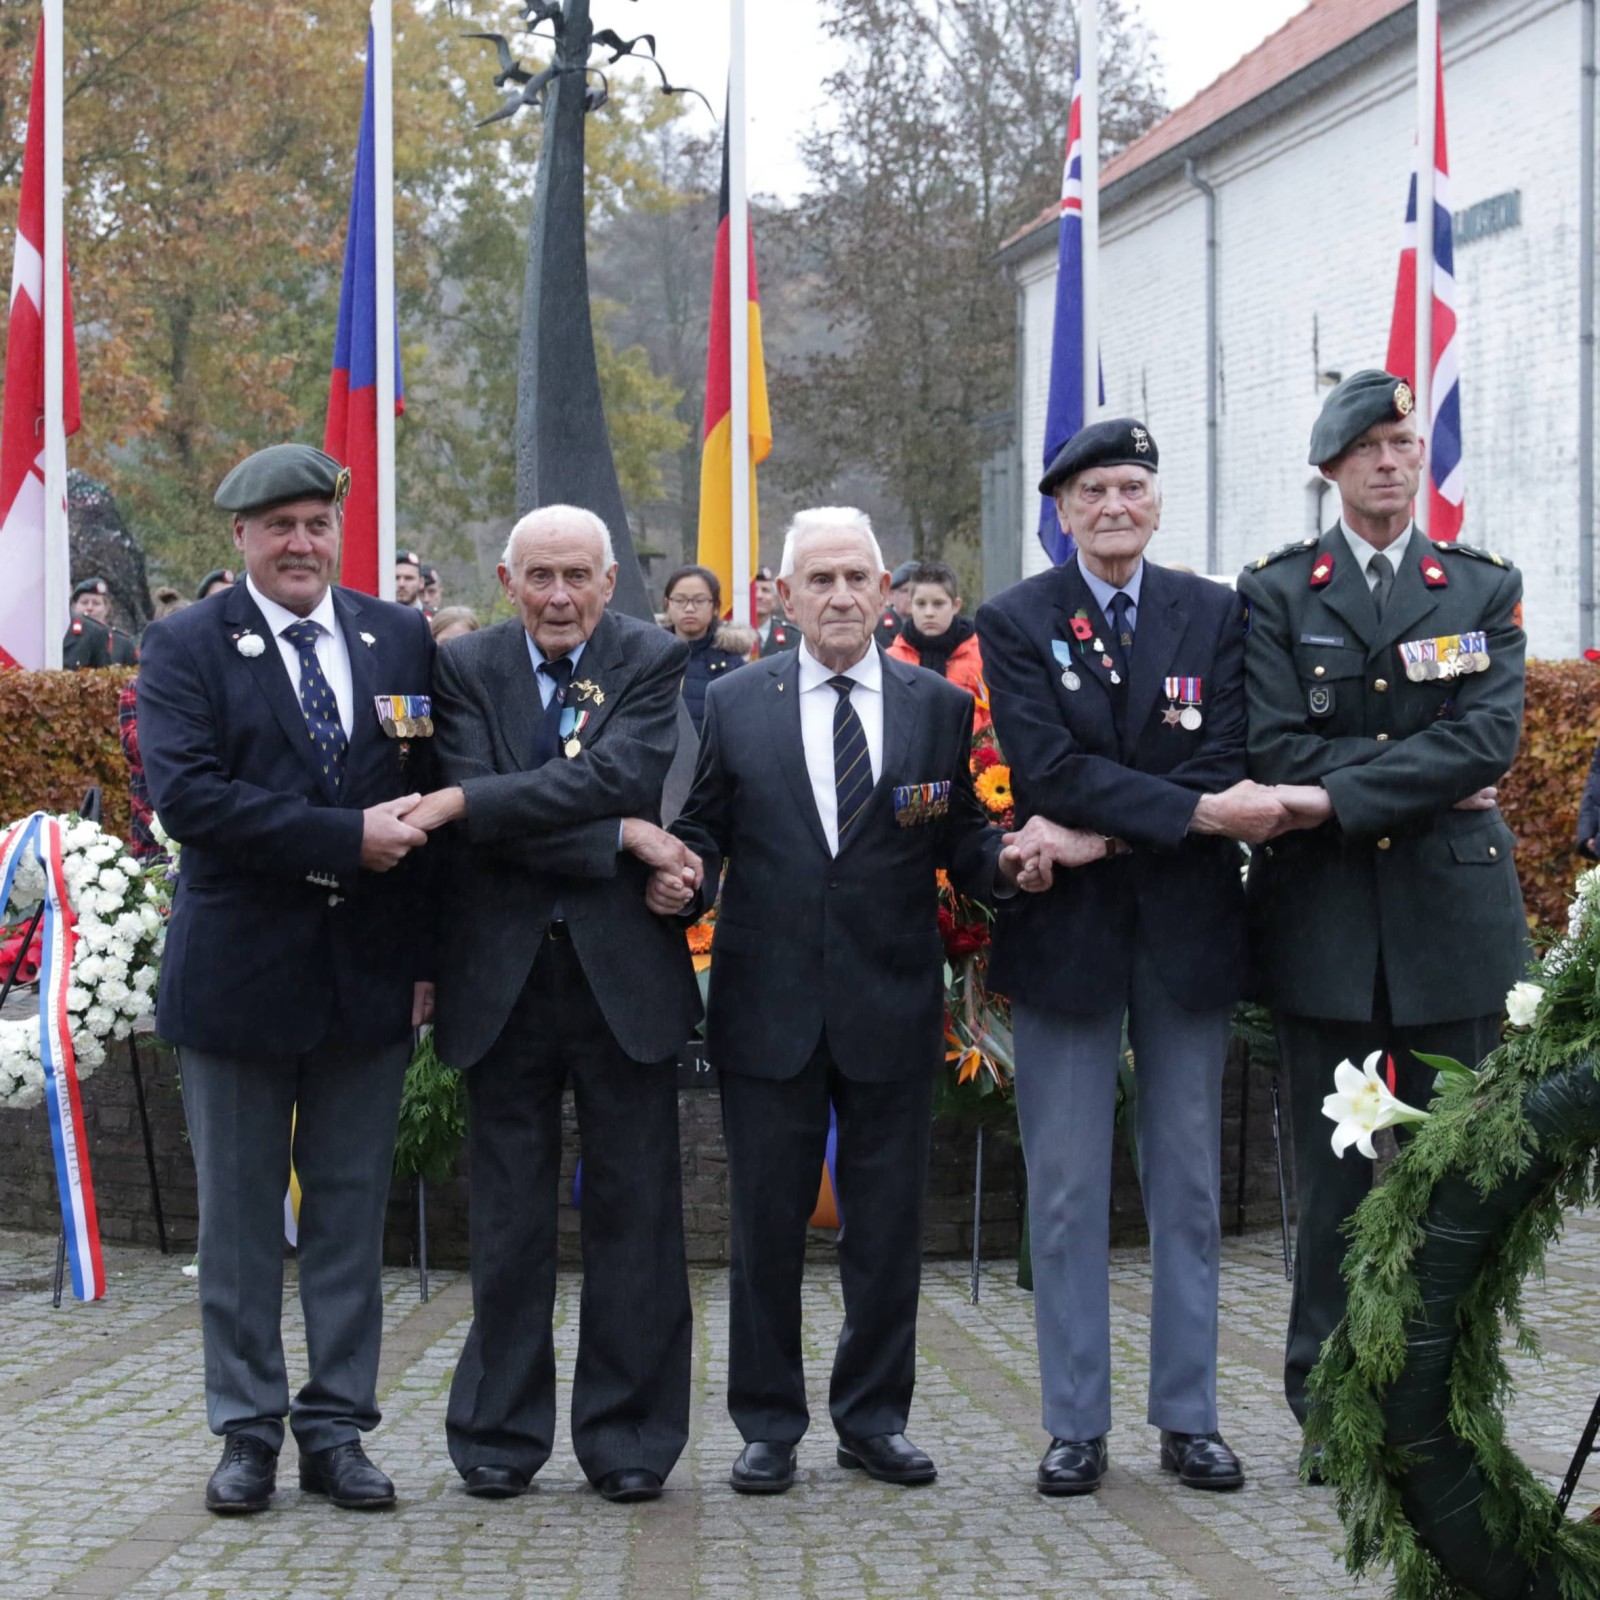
x=1364, y=552
x=817, y=701
x=333, y=654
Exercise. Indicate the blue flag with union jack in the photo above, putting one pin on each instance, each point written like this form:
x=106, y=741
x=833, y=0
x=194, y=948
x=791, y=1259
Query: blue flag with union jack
x=1064, y=409
x=1447, y=489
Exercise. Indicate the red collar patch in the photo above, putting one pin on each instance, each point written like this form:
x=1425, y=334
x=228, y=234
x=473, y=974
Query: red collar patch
x=1322, y=573
x=1433, y=573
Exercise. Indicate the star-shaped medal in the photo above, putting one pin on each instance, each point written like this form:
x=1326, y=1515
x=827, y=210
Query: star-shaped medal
x=1172, y=717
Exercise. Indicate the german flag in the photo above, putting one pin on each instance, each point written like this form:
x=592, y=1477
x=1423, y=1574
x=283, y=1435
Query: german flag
x=716, y=451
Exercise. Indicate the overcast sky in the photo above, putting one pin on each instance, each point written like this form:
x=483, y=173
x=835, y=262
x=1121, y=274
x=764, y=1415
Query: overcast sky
x=789, y=57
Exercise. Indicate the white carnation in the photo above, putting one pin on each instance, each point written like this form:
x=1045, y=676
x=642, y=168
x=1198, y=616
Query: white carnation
x=102, y=852
x=127, y=926
x=114, y=881
x=144, y=979
x=89, y=1051
x=1522, y=1003
x=134, y=1004
x=88, y=969
x=149, y=920
x=78, y=998
x=112, y=992
x=98, y=1020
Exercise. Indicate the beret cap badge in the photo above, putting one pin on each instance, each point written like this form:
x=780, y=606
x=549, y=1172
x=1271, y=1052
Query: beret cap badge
x=1404, y=401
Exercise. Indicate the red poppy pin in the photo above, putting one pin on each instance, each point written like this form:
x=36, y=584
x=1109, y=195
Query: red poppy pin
x=1082, y=628
x=1323, y=571
x=1433, y=573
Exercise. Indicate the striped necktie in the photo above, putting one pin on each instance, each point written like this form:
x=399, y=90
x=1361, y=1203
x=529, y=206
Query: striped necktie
x=852, y=764
x=317, y=701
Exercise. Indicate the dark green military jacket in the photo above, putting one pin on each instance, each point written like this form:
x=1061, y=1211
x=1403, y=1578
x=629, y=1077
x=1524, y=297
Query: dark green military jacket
x=96, y=644
x=1397, y=723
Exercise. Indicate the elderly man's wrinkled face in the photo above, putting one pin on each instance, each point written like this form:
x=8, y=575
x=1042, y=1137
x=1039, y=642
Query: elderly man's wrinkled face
x=1112, y=512
x=91, y=605
x=834, y=594
x=291, y=552
x=559, y=586
x=1378, y=474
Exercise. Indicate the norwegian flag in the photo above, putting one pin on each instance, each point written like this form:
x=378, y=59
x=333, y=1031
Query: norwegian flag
x=1064, y=409
x=1447, y=489
x=24, y=627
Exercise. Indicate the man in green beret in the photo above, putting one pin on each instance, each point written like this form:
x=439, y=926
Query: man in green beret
x=285, y=727
x=1384, y=674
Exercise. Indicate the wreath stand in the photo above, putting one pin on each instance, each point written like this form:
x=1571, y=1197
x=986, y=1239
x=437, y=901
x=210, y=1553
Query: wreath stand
x=91, y=811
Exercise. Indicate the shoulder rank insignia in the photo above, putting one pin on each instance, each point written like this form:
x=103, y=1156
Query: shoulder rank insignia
x=1295, y=547
x=1433, y=573
x=1472, y=550
x=1322, y=573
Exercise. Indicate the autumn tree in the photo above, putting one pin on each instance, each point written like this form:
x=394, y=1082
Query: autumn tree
x=209, y=151
x=950, y=121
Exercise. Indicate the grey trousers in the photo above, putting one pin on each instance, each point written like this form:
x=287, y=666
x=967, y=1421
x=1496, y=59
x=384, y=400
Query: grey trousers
x=1066, y=1106
x=344, y=1101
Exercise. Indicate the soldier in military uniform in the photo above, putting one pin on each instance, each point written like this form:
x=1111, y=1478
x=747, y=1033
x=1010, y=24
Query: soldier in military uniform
x=1385, y=680
x=892, y=618
x=92, y=640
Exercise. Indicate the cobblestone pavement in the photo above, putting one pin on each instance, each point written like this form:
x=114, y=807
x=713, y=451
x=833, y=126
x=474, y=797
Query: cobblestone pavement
x=104, y=1451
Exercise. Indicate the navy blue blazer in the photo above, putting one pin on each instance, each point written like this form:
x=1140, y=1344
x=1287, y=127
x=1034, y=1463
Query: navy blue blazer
x=1114, y=763
x=807, y=940
x=277, y=934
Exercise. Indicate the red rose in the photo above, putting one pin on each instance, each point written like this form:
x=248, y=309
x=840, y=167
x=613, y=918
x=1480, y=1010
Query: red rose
x=984, y=757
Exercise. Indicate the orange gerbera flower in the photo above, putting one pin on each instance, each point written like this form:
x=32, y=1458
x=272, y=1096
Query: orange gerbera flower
x=699, y=937
x=994, y=789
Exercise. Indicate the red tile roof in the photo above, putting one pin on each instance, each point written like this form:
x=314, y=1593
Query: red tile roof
x=1322, y=27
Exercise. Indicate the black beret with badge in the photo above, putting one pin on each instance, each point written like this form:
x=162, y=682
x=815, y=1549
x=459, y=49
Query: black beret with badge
x=1362, y=401
x=90, y=586
x=408, y=558
x=279, y=474
x=1114, y=442
x=901, y=575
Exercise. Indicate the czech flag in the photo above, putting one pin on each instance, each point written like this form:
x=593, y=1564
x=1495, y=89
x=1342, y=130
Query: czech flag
x=716, y=451
x=23, y=624
x=351, y=435
x=1447, y=486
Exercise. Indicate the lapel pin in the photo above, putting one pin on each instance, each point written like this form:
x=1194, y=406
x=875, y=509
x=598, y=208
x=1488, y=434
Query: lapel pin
x=368, y=640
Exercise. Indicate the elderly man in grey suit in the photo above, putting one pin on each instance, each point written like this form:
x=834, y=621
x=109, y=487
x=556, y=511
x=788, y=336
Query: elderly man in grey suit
x=835, y=781
x=551, y=730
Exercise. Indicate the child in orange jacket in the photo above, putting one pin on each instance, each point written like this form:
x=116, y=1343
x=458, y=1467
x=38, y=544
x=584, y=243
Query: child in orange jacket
x=938, y=637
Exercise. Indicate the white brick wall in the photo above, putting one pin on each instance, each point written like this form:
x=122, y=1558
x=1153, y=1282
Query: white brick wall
x=1309, y=209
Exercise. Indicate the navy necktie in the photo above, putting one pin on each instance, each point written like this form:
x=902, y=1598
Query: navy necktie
x=547, y=738
x=317, y=701
x=1122, y=622
x=852, y=763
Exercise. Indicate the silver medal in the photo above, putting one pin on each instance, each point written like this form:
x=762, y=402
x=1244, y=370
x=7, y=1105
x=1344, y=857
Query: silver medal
x=1190, y=718
x=1070, y=679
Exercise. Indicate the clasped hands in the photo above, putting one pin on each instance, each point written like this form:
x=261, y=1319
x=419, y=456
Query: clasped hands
x=1253, y=813
x=392, y=830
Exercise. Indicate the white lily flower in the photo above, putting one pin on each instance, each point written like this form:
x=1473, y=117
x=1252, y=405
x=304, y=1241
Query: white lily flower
x=1522, y=1003
x=1362, y=1104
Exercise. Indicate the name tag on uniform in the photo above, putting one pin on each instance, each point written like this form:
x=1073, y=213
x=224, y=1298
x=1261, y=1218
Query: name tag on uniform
x=1451, y=655
x=920, y=802
x=405, y=716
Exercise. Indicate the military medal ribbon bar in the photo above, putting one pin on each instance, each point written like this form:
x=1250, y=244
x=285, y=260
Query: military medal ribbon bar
x=1184, y=692
x=921, y=802
x=405, y=716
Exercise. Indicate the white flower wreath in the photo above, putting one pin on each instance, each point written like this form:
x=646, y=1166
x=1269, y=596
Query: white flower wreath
x=121, y=909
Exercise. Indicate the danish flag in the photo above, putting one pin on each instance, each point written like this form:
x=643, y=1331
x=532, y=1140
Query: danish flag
x=23, y=624
x=1447, y=488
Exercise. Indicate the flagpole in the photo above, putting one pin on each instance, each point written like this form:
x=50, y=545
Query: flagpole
x=383, y=229
x=57, y=557
x=1427, y=161
x=739, y=602
x=1089, y=137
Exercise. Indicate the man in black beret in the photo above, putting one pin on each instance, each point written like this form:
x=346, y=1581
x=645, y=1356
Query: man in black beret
x=1385, y=678
x=92, y=639
x=1117, y=688
x=896, y=605
x=408, y=579
x=284, y=726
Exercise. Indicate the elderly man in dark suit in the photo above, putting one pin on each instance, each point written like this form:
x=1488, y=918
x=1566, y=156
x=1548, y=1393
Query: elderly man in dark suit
x=1118, y=695
x=835, y=783
x=297, y=960
x=555, y=732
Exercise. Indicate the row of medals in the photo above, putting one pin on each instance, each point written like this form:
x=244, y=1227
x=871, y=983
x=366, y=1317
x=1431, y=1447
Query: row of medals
x=1451, y=667
x=413, y=727
x=1189, y=717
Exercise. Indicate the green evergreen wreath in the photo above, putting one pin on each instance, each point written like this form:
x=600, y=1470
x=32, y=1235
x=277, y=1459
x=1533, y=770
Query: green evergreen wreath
x=1407, y=1400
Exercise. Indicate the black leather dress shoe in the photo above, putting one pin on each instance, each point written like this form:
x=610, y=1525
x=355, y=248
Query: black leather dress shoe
x=763, y=1468
x=1072, y=1466
x=628, y=1484
x=245, y=1476
x=343, y=1473
x=888, y=1457
x=496, y=1483
x=1201, y=1460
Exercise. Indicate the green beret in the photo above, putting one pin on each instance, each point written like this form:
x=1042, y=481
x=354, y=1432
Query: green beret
x=279, y=474
x=90, y=586
x=215, y=575
x=1360, y=402
x=1115, y=442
